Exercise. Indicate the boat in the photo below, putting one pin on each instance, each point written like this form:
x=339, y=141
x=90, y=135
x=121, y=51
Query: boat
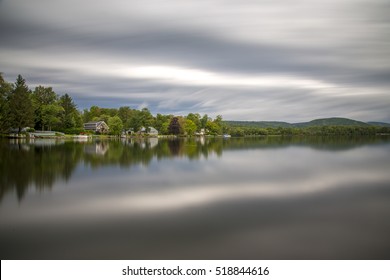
x=227, y=136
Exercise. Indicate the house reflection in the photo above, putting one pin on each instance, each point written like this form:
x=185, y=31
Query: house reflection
x=98, y=148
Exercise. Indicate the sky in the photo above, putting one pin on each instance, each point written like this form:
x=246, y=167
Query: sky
x=278, y=60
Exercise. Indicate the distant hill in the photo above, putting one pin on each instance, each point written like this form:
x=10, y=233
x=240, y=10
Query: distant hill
x=331, y=121
x=259, y=124
x=379, y=124
x=316, y=122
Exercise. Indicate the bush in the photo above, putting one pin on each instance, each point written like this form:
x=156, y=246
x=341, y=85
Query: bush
x=74, y=131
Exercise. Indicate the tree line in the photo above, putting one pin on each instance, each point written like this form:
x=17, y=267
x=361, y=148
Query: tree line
x=309, y=131
x=43, y=109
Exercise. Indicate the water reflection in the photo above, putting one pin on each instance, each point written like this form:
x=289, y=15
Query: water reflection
x=41, y=162
x=249, y=198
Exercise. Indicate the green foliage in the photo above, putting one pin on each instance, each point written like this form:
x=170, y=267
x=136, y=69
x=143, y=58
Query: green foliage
x=75, y=131
x=203, y=121
x=189, y=127
x=213, y=128
x=116, y=125
x=21, y=113
x=161, y=123
x=331, y=122
x=195, y=118
x=125, y=113
x=146, y=118
x=51, y=115
x=317, y=122
x=70, y=117
x=97, y=113
x=5, y=91
x=41, y=98
x=102, y=117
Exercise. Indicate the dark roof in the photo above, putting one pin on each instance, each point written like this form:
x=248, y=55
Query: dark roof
x=94, y=125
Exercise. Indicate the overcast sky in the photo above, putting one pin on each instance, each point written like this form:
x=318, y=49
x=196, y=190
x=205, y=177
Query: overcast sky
x=280, y=60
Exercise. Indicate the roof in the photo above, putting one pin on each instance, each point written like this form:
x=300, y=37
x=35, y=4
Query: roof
x=151, y=129
x=94, y=125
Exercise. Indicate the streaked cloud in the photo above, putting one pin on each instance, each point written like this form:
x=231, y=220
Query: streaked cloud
x=253, y=60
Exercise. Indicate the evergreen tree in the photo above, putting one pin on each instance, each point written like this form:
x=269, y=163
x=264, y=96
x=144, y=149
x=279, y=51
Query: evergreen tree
x=5, y=90
x=21, y=112
x=70, y=116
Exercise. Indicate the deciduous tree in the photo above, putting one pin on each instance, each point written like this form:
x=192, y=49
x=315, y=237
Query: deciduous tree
x=174, y=126
x=116, y=125
x=45, y=102
x=189, y=127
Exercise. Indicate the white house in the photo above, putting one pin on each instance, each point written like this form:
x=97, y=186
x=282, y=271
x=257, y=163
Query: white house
x=152, y=131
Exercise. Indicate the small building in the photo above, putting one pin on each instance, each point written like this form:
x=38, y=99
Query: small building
x=100, y=127
x=151, y=131
x=201, y=133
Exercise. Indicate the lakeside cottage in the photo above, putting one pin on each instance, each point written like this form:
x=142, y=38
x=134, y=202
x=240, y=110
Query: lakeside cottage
x=151, y=131
x=100, y=127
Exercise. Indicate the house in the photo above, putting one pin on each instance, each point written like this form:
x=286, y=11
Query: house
x=201, y=133
x=151, y=131
x=100, y=127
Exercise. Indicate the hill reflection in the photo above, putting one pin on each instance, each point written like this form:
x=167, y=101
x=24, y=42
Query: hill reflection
x=41, y=163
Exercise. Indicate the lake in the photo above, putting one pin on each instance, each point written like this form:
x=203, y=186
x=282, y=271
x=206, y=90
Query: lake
x=202, y=198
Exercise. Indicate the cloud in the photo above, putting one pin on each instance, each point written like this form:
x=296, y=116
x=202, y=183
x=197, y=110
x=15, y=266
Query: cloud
x=244, y=60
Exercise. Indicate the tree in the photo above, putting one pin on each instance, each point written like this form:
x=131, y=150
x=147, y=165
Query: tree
x=196, y=120
x=189, y=127
x=219, y=122
x=51, y=115
x=21, y=112
x=43, y=97
x=70, y=116
x=136, y=121
x=174, y=126
x=146, y=118
x=102, y=117
x=94, y=111
x=116, y=125
x=213, y=128
x=162, y=123
x=125, y=113
x=5, y=91
x=203, y=121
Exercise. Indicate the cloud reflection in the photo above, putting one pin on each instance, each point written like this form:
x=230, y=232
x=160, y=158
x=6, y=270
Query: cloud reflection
x=181, y=185
x=256, y=200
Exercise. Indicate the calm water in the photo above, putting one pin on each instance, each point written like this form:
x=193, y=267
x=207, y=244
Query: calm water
x=257, y=198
